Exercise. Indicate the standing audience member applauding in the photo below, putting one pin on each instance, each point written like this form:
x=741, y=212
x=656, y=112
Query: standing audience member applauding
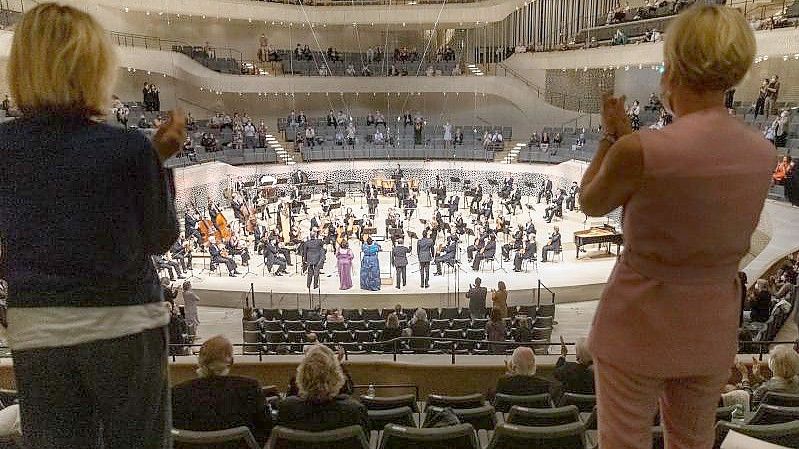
x=82, y=263
x=477, y=299
x=499, y=299
x=675, y=288
x=495, y=331
x=190, y=301
x=216, y=400
x=319, y=406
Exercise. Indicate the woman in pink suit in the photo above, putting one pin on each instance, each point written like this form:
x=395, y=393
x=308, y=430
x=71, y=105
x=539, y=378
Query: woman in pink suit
x=344, y=263
x=664, y=334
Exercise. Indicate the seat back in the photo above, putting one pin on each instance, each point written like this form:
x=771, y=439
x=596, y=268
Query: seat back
x=503, y=402
x=403, y=416
x=461, y=436
x=468, y=401
x=351, y=437
x=781, y=399
x=784, y=434
x=584, y=402
x=774, y=414
x=389, y=402
x=543, y=417
x=483, y=417
x=566, y=436
x=239, y=437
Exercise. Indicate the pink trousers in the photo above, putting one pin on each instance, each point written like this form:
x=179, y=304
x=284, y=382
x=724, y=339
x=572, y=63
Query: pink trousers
x=627, y=404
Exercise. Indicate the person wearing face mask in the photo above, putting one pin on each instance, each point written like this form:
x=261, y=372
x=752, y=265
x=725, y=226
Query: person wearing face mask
x=692, y=194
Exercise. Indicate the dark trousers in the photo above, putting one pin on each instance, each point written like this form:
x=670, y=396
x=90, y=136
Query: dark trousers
x=401, y=275
x=286, y=255
x=171, y=267
x=517, y=262
x=470, y=251
x=424, y=272
x=759, y=105
x=570, y=203
x=545, y=250
x=117, y=387
x=228, y=261
x=313, y=275
x=275, y=260
x=477, y=259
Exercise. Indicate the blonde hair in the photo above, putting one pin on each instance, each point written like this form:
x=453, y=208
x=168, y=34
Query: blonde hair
x=319, y=376
x=708, y=47
x=61, y=61
x=216, y=357
x=783, y=362
x=522, y=362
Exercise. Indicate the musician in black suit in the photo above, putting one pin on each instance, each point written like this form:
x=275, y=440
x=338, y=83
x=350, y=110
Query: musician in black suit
x=488, y=208
x=272, y=256
x=454, y=201
x=448, y=255
x=180, y=254
x=399, y=257
x=528, y=253
x=313, y=255
x=441, y=196
x=487, y=252
x=217, y=258
x=555, y=208
x=553, y=245
x=172, y=267
x=190, y=226
x=518, y=243
x=571, y=198
x=477, y=246
x=424, y=250
x=409, y=206
x=514, y=201
x=546, y=189
x=477, y=299
x=530, y=228
x=478, y=196
x=218, y=401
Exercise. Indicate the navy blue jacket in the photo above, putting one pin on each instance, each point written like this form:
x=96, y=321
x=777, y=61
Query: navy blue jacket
x=83, y=206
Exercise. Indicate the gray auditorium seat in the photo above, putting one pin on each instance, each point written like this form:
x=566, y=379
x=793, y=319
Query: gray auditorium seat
x=191, y=439
x=461, y=436
x=351, y=437
x=503, y=402
x=779, y=399
x=566, y=436
x=542, y=417
x=467, y=401
x=403, y=416
x=785, y=434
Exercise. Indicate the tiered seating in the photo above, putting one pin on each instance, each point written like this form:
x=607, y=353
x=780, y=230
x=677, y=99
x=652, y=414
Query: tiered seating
x=292, y=65
x=286, y=331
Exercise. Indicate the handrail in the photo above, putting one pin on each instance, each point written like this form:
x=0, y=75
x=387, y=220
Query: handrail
x=548, y=95
x=197, y=105
x=538, y=293
x=130, y=39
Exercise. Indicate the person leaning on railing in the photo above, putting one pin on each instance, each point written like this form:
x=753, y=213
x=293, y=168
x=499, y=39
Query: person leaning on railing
x=692, y=194
x=83, y=206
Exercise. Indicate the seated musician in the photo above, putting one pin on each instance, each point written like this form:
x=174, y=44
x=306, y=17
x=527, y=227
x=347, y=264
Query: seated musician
x=273, y=256
x=447, y=255
x=553, y=245
x=571, y=198
x=237, y=248
x=181, y=251
x=488, y=252
x=161, y=262
x=260, y=235
x=529, y=229
x=518, y=242
x=218, y=257
x=528, y=252
x=487, y=209
x=325, y=202
x=555, y=208
x=478, y=196
x=441, y=196
x=460, y=224
x=545, y=190
x=478, y=244
x=515, y=201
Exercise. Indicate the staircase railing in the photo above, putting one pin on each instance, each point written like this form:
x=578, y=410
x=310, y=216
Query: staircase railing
x=559, y=99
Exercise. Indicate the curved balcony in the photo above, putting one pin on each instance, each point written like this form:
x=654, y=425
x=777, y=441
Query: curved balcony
x=378, y=12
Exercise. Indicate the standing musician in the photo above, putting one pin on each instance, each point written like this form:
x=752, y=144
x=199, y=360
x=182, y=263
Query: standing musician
x=313, y=256
x=545, y=190
x=527, y=253
x=446, y=254
x=477, y=196
x=452, y=205
x=218, y=256
x=488, y=252
x=399, y=257
x=424, y=251
x=410, y=205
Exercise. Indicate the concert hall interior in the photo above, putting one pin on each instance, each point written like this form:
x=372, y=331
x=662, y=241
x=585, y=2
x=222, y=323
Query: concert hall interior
x=468, y=224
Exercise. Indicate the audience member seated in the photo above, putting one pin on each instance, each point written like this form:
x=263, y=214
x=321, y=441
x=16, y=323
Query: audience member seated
x=209, y=142
x=520, y=379
x=217, y=400
x=495, y=331
x=419, y=326
x=319, y=405
x=783, y=362
x=575, y=377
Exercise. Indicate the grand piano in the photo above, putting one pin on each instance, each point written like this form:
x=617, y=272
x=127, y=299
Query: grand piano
x=598, y=235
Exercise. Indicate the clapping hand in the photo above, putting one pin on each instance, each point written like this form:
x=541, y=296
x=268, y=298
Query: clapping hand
x=170, y=135
x=614, y=117
x=564, y=351
x=742, y=369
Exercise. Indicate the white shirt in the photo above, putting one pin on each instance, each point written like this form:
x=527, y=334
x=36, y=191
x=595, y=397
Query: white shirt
x=51, y=327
